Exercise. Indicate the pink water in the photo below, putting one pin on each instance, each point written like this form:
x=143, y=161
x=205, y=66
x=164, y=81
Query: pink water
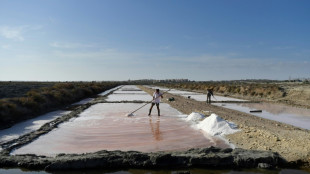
x=106, y=127
x=286, y=114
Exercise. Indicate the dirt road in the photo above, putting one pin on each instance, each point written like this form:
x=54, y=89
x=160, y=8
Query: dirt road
x=256, y=133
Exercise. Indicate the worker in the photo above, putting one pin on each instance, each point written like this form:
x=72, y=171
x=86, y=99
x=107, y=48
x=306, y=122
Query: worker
x=156, y=100
x=209, y=94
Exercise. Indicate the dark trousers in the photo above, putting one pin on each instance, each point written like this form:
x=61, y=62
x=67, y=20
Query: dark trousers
x=158, y=110
x=209, y=99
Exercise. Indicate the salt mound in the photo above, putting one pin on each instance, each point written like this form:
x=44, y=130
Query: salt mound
x=215, y=125
x=195, y=117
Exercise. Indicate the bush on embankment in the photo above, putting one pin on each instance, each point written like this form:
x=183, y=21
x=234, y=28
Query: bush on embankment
x=10, y=89
x=42, y=100
x=253, y=90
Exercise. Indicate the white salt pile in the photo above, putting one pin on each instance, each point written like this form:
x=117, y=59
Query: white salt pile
x=195, y=117
x=215, y=125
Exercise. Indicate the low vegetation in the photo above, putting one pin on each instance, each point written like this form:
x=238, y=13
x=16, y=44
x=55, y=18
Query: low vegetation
x=17, y=89
x=34, y=102
x=259, y=90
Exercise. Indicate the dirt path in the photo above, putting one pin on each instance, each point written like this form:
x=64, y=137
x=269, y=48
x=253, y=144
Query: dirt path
x=256, y=133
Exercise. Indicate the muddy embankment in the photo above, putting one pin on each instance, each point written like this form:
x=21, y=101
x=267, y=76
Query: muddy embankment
x=256, y=133
x=294, y=94
x=204, y=157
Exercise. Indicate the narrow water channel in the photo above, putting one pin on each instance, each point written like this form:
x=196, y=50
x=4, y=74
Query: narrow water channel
x=29, y=125
x=298, y=117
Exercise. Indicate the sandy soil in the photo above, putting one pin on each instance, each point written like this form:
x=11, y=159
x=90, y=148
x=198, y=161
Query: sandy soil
x=256, y=133
x=297, y=95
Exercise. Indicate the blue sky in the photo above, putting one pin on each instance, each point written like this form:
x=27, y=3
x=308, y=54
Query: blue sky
x=64, y=40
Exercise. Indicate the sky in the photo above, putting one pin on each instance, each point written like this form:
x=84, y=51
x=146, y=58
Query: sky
x=86, y=40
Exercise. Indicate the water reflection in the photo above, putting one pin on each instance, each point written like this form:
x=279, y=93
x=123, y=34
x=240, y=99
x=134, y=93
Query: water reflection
x=286, y=114
x=155, y=129
x=278, y=108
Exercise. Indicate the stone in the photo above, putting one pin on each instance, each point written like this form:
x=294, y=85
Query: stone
x=264, y=166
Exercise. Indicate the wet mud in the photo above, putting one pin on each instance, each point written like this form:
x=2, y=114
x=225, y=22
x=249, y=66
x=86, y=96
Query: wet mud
x=204, y=158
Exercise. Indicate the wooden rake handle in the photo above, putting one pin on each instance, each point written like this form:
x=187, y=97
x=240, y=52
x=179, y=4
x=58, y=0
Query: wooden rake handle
x=149, y=102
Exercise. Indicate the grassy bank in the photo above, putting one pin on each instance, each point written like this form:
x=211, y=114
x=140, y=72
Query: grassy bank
x=34, y=102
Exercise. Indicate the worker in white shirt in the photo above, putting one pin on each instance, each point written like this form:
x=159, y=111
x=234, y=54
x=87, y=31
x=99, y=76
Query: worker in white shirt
x=156, y=100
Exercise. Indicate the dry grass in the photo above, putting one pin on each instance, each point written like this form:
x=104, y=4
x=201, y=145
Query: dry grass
x=41, y=100
x=296, y=94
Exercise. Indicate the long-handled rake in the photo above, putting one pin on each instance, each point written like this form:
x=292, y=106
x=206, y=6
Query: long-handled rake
x=131, y=114
x=214, y=98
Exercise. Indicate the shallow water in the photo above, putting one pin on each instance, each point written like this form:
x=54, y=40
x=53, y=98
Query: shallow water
x=129, y=97
x=129, y=92
x=203, y=97
x=105, y=126
x=286, y=114
x=84, y=101
x=29, y=125
x=129, y=88
x=108, y=91
x=172, y=91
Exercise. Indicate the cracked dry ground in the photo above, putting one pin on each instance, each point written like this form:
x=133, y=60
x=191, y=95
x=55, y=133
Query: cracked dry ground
x=256, y=133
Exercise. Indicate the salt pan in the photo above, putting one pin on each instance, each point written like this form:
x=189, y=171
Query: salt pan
x=195, y=117
x=215, y=125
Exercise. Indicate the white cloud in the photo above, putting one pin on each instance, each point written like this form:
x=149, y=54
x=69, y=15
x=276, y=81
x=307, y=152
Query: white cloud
x=16, y=33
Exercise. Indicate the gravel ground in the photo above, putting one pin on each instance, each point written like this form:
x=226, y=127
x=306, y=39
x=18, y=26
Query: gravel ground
x=256, y=133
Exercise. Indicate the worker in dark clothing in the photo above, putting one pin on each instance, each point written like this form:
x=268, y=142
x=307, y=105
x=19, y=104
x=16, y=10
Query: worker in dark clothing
x=209, y=94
